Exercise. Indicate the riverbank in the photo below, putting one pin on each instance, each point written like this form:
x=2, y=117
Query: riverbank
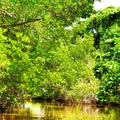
x=89, y=100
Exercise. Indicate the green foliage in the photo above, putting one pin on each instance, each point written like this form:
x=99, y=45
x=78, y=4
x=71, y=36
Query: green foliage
x=17, y=11
x=39, y=57
x=81, y=90
x=106, y=24
x=56, y=70
x=13, y=63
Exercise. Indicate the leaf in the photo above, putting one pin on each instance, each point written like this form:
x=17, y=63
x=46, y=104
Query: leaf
x=18, y=34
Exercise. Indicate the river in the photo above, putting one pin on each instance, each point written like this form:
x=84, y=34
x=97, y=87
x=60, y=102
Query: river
x=56, y=111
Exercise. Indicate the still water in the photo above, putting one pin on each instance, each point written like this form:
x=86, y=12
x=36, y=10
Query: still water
x=50, y=111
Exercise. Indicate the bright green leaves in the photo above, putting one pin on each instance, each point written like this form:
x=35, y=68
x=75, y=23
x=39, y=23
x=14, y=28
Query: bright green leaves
x=43, y=58
x=4, y=61
x=18, y=35
x=14, y=61
x=105, y=27
x=19, y=11
x=107, y=63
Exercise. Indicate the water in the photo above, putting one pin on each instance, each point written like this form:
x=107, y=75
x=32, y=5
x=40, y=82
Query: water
x=50, y=111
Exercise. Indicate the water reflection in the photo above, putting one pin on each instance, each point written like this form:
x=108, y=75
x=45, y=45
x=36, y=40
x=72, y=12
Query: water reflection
x=48, y=111
x=34, y=109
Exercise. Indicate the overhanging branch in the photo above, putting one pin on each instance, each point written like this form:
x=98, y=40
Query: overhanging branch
x=19, y=24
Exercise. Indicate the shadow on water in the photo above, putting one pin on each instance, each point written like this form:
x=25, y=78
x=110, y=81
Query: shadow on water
x=55, y=111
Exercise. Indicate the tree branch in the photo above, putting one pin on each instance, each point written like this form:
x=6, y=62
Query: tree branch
x=19, y=24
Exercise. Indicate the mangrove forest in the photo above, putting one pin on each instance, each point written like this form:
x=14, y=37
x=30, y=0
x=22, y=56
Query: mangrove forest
x=59, y=50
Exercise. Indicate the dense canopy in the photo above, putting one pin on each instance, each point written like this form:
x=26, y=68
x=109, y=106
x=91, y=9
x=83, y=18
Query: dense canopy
x=41, y=57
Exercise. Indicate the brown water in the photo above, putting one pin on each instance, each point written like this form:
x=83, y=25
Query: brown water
x=48, y=111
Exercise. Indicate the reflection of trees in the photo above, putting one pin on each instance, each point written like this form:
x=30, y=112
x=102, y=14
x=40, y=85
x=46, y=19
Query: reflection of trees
x=34, y=109
x=47, y=111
